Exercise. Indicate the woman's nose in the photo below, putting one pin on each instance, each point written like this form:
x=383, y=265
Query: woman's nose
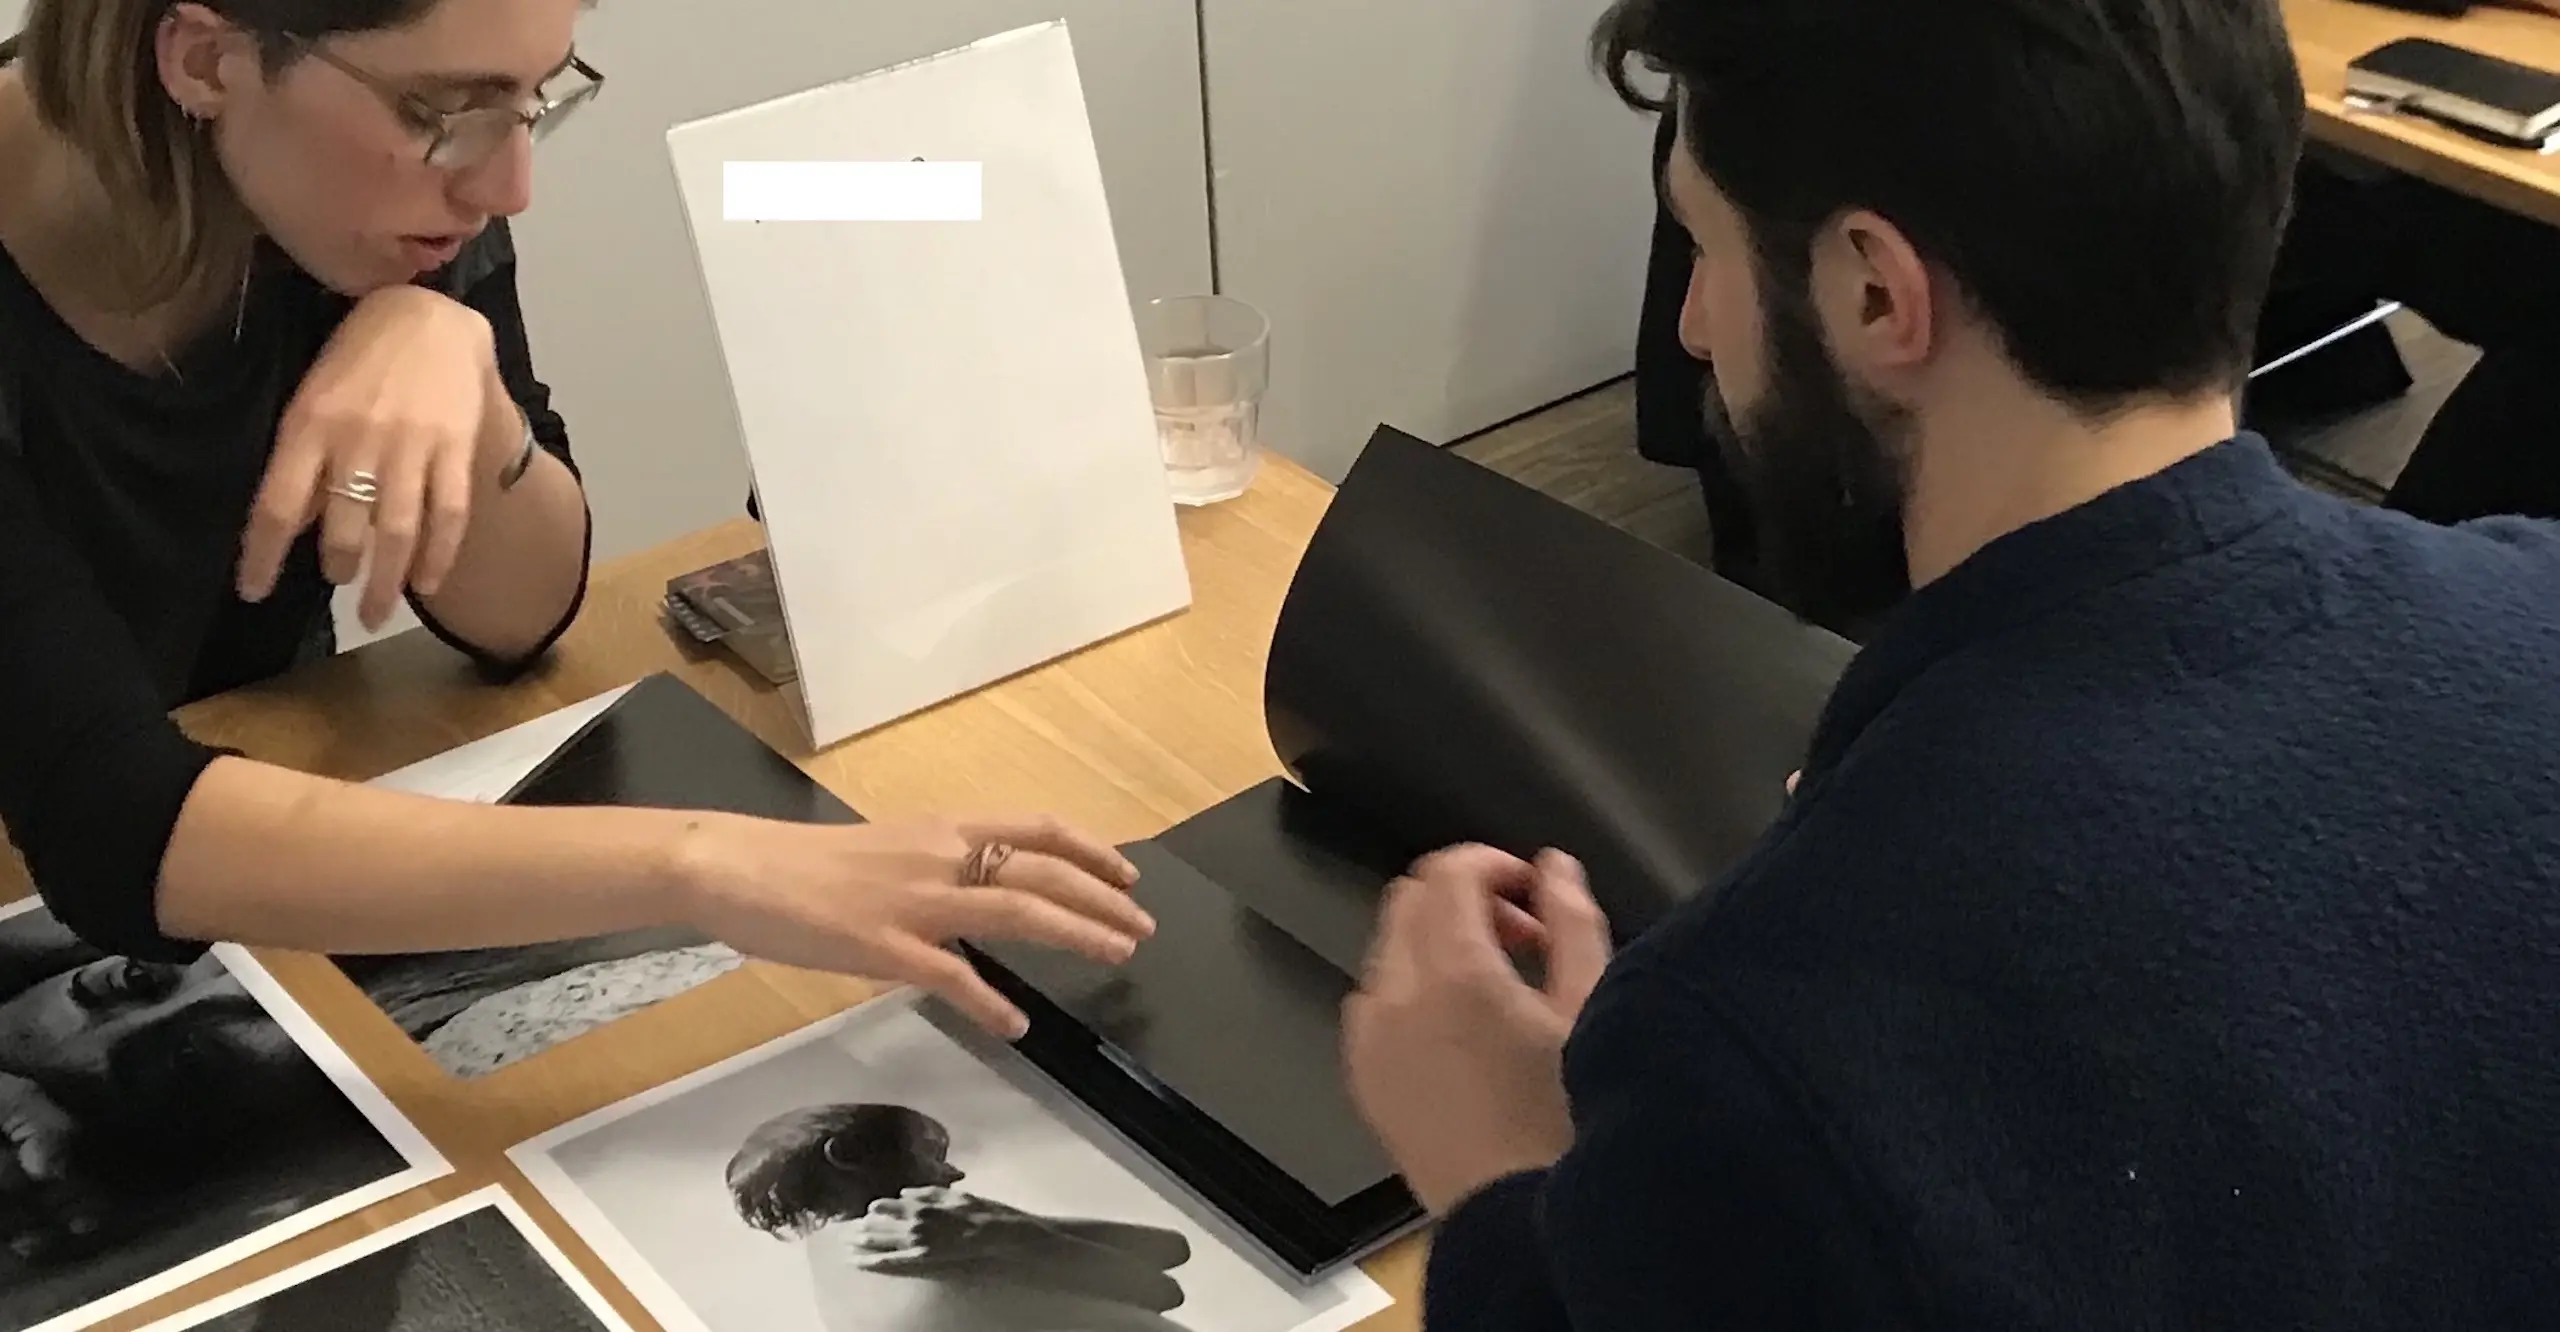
x=502, y=186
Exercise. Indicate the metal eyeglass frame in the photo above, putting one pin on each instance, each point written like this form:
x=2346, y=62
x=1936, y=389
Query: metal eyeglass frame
x=440, y=148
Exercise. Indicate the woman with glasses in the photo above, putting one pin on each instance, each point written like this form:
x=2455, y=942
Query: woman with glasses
x=259, y=339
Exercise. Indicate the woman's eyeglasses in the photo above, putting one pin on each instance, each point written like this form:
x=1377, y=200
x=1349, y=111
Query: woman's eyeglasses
x=457, y=140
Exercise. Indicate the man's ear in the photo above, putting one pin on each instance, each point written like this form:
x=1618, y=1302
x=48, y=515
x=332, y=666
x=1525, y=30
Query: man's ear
x=1877, y=296
x=202, y=58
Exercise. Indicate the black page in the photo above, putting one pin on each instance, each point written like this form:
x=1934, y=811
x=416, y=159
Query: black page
x=1230, y=1014
x=1461, y=658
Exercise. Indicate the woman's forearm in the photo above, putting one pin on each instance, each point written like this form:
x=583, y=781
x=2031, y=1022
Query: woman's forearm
x=523, y=553
x=264, y=855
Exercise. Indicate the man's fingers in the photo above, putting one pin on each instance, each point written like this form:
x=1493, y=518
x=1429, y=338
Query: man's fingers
x=1011, y=913
x=1076, y=889
x=448, y=518
x=1518, y=930
x=1389, y=965
x=1055, y=838
x=1792, y=779
x=1577, y=934
x=1489, y=868
x=1500, y=881
x=1454, y=909
x=948, y=976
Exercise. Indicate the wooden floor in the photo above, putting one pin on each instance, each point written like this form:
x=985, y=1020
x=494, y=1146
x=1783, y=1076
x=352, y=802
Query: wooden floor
x=1583, y=450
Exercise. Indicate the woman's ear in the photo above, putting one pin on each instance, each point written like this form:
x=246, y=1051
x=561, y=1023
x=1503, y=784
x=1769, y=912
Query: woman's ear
x=201, y=58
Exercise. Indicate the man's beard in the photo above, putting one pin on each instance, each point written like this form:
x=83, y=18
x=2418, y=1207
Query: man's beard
x=1827, y=485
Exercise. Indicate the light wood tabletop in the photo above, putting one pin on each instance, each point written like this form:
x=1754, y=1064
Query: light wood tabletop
x=1125, y=738
x=2329, y=33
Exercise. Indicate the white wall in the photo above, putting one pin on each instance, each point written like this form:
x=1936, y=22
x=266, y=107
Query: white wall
x=12, y=13
x=1442, y=207
x=620, y=328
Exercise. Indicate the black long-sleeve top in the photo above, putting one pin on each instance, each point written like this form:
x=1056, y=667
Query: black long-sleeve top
x=123, y=498
x=2165, y=934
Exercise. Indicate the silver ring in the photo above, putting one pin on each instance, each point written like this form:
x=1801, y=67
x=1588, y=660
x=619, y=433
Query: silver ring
x=362, y=487
x=983, y=864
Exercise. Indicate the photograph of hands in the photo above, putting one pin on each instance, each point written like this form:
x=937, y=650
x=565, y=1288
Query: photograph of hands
x=894, y=1171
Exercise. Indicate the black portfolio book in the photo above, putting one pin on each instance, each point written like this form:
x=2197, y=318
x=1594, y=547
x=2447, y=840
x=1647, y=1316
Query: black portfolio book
x=1459, y=658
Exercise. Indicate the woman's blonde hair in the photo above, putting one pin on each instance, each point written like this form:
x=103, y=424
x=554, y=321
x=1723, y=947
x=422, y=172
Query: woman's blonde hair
x=92, y=68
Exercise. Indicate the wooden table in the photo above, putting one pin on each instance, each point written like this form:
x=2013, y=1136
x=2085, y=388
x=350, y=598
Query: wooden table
x=1126, y=738
x=2329, y=33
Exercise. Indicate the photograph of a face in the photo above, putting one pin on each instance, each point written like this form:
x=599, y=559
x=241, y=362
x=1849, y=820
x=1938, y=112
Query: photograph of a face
x=163, y=1121
x=887, y=1170
x=476, y=1264
x=477, y=1011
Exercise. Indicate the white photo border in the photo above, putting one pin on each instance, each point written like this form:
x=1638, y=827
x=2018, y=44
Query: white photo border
x=486, y=1198
x=426, y=1164
x=1359, y=1295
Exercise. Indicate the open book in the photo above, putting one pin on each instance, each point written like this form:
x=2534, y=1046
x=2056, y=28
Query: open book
x=1459, y=659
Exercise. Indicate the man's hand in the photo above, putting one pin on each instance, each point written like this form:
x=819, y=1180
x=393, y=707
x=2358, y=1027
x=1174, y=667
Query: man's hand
x=1454, y=1060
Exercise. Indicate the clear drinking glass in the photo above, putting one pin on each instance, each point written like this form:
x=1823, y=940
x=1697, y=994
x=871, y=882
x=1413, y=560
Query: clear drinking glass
x=1208, y=366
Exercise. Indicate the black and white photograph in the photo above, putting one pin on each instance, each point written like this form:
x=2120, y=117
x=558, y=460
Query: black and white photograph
x=477, y=1011
x=879, y=1172
x=476, y=1264
x=162, y=1121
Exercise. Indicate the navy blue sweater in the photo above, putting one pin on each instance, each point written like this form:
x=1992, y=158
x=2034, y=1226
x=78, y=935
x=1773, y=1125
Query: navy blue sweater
x=2166, y=933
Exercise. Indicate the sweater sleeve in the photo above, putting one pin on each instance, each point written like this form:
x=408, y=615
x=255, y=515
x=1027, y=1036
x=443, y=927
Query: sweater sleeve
x=1488, y=1267
x=485, y=280
x=93, y=772
x=1695, y=1197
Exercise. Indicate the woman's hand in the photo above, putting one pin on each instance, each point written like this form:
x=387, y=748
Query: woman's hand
x=885, y=900
x=398, y=403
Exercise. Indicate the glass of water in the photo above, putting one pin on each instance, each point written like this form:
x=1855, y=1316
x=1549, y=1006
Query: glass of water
x=1208, y=366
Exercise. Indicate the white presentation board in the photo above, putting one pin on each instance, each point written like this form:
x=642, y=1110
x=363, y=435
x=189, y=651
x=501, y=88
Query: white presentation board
x=947, y=419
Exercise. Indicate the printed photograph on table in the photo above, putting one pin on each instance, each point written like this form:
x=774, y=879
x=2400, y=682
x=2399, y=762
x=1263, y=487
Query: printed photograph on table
x=476, y=1264
x=476, y=1011
x=879, y=1172
x=165, y=1121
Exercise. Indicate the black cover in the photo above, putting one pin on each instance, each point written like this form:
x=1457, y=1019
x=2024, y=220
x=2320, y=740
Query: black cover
x=660, y=745
x=664, y=746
